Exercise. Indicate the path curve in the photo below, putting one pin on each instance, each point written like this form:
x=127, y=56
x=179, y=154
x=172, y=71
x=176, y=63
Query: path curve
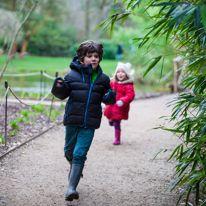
x=124, y=175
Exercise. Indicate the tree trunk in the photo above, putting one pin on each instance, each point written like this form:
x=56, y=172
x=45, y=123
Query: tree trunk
x=24, y=47
x=14, y=5
x=27, y=37
x=14, y=48
x=87, y=19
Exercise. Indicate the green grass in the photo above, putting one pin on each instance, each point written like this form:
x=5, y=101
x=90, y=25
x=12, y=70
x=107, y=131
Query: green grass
x=49, y=64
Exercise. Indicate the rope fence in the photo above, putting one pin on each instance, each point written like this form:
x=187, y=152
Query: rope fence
x=43, y=76
x=5, y=98
x=21, y=75
x=29, y=104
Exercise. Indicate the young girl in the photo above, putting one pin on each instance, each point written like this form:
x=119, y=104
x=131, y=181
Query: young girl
x=123, y=85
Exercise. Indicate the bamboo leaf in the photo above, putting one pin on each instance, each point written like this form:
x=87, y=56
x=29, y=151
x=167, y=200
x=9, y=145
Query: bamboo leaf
x=201, y=161
x=204, y=203
x=197, y=194
x=136, y=3
x=107, y=24
x=173, y=153
x=113, y=11
x=161, y=68
x=124, y=18
x=196, y=62
x=170, y=4
x=112, y=24
x=203, y=15
x=124, y=1
x=101, y=24
x=179, y=16
x=169, y=32
x=156, y=60
x=188, y=194
x=197, y=17
x=175, y=182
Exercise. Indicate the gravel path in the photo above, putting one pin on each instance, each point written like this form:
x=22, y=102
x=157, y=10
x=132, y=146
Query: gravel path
x=125, y=175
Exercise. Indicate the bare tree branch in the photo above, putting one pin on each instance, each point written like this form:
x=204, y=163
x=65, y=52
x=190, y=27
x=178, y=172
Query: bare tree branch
x=15, y=36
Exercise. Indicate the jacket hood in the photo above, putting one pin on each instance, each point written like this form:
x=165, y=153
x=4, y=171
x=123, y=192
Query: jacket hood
x=76, y=65
x=127, y=81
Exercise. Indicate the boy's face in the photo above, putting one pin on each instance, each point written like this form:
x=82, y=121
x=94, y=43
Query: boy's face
x=91, y=58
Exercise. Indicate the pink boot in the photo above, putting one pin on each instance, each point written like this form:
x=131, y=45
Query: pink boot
x=117, y=137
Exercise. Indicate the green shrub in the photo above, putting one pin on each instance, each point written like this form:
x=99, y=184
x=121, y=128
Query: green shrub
x=47, y=112
x=13, y=133
x=25, y=113
x=110, y=49
x=23, y=94
x=14, y=124
x=62, y=105
x=2, y=139
x=73, y=49
x=39, y=108
x=20, y=119
x=52, y=40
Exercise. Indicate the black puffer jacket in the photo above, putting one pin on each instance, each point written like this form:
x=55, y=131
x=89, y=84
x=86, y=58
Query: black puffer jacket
x=83, y=107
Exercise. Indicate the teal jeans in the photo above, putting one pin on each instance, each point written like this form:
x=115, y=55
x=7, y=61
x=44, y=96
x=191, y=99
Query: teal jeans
x=77, y=143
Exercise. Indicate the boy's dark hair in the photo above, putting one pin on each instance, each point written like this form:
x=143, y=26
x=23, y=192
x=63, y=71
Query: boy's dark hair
x=89, y=46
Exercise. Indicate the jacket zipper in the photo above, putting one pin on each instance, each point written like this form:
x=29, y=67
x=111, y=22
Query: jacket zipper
x=69, y=109
x=91, y=86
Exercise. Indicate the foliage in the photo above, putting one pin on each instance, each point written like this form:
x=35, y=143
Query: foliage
x=110, y=49
x=183, y=24
x=39, y=108
x=13, y=132
x=73, y=49
x=62, y=105
x=25, y=113
x=14, y=125
x=2, y=139
x=52, y=40
x=21, y=119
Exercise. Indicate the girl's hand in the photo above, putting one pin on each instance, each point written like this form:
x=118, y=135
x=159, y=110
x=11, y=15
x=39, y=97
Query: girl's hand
x=119, y=103
x=59, y=83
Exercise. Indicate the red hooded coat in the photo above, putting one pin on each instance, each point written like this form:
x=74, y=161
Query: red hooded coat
x=124, y=92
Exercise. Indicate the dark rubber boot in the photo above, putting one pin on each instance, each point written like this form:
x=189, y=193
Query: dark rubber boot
x=74, y=178
x=70, y=162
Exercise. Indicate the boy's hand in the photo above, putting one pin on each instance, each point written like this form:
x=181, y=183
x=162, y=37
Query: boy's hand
x=59, y=83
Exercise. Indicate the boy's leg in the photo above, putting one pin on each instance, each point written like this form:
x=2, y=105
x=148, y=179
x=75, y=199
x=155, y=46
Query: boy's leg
x=84, y=140
x=70, y=142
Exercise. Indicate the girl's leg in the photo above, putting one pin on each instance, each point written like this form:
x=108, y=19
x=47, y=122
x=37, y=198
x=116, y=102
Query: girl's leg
x=111, y=122
x=117, y=125
x=117, y=128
